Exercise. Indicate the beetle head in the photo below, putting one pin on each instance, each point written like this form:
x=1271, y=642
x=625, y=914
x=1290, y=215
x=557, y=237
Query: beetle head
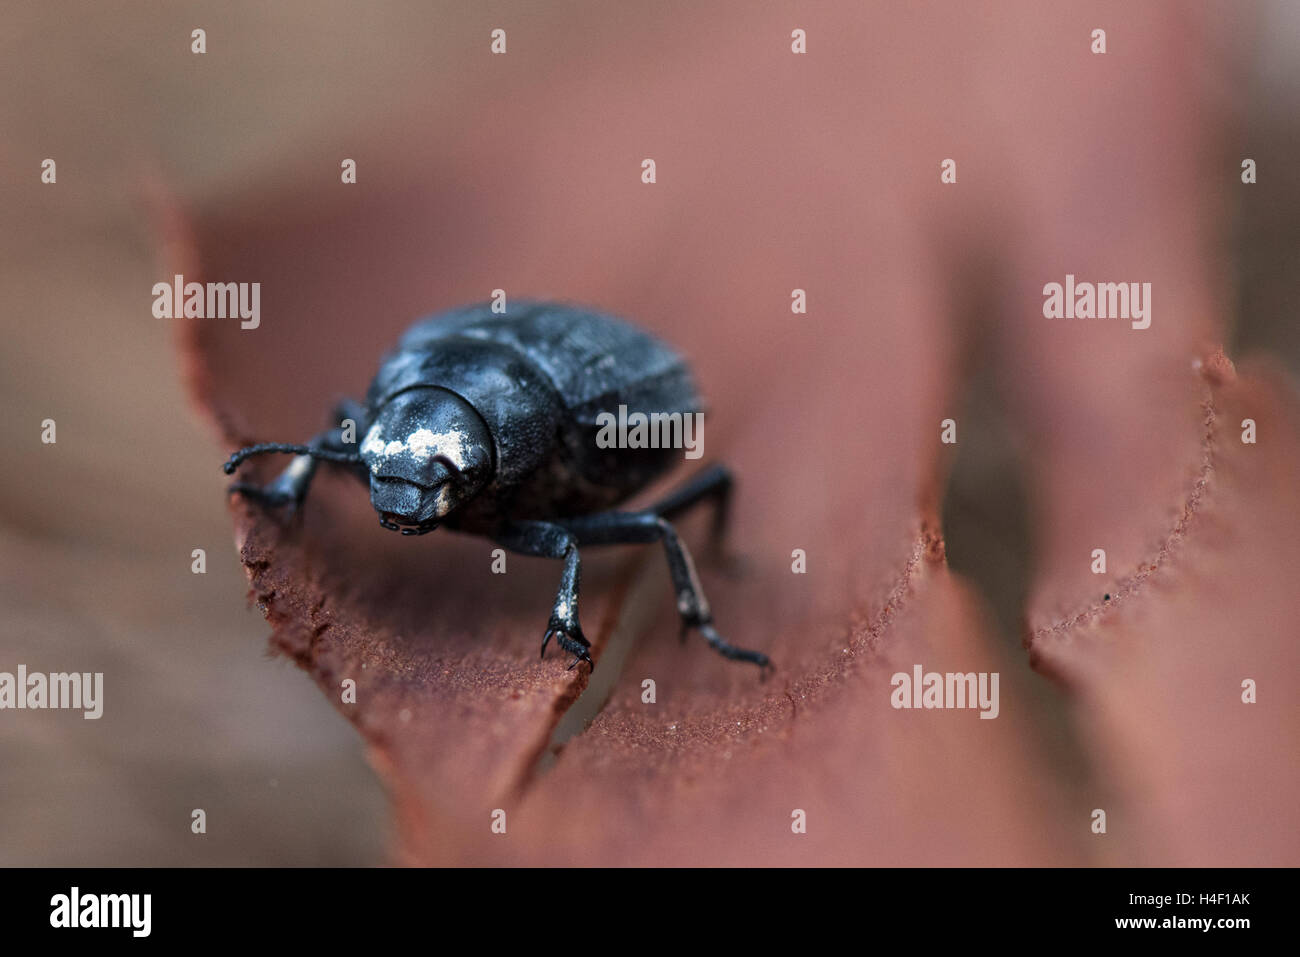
x=428, y=452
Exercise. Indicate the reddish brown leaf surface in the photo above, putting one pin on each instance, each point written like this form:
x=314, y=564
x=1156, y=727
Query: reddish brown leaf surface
x=817, y=173
x=1205, y=779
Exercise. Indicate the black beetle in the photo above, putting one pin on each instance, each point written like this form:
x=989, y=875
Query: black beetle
x=487, y=424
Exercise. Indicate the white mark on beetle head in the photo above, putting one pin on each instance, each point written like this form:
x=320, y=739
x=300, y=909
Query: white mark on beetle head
x=425, y=443
x=422, y=445
x=374, y=443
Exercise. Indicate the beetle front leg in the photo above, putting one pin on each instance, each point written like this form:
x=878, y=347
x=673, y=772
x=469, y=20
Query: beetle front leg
x=288, y=488
x=547, y=540
x=291, y=485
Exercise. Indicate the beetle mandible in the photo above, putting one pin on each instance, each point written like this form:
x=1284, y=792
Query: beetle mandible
x=487, y=424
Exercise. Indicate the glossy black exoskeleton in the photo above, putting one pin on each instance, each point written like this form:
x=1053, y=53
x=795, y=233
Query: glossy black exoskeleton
x=487, y=424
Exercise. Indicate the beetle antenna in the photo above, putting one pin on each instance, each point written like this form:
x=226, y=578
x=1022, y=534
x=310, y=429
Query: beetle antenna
x=347, y=458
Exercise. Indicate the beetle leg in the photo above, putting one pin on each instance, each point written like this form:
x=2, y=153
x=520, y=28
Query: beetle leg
x=629, y=528
x=289, y=488
x=547, y=540
x=714, y=482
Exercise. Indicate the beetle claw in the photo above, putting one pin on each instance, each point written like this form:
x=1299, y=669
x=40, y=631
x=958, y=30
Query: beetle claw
x=568, y=635
x=581, y=656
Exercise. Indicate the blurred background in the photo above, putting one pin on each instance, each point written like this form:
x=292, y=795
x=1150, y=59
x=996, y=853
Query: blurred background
x=96, y=532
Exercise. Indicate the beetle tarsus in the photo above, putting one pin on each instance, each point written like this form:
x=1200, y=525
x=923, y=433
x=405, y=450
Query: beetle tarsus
x=591, y=665
x=573, y=643
x=730, y=651
x=568, y=635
